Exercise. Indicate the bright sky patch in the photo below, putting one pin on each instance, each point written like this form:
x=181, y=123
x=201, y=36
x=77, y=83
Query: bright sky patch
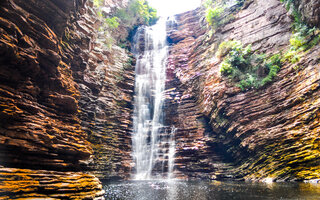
x=172, y=7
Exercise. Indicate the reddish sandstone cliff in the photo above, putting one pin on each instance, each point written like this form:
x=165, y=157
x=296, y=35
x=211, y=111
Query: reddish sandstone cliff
x=267, y=132
x=65, y=101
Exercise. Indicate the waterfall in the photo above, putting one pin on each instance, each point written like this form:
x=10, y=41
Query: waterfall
x=151, y=147
x=172, y=152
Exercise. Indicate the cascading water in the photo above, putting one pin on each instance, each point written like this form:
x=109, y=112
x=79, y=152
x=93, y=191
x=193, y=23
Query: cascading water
x=172, y=151
x=150, y=147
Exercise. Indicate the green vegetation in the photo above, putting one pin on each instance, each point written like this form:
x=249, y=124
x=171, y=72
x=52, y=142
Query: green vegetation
x=246, y=69
x=113, y=22
x=216, y=12
x=148, y=13
x=249, y=70
x=138, y=12
x=295, y=13
x=213, y=15
x=98, y=3
x=237, y=59
x=303, y=37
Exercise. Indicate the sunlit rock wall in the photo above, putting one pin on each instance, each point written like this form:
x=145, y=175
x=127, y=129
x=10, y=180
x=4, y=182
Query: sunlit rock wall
x=105, y=77
x=197, y=153
x=65, y=101
x=268, y=132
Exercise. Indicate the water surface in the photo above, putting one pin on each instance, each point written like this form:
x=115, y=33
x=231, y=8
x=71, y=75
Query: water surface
x=183, y=190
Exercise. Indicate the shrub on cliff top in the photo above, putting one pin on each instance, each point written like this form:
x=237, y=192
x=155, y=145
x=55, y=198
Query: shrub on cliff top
x=138, y=10
x=246, y=69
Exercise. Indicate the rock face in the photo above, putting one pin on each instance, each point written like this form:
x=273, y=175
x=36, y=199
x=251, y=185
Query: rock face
x=197, y=153
x=65, y=101
x=39, y=99
x=310, y=11
x=106, y=102
x=44, y=184
x=268, y=132
x=104, y=74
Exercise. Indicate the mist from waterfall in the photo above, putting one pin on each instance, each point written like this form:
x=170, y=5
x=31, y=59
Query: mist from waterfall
x=172, y=152
x=151, y=146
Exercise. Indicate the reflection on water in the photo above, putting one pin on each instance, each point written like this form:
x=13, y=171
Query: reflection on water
x=182, y=190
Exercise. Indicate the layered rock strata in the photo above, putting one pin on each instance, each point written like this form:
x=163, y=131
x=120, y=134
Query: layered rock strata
x=65, y=101
x=271, y=132
x=44, y=184
x=197, y=153
x=107, y=112
x=309, y=10
x=104, y=74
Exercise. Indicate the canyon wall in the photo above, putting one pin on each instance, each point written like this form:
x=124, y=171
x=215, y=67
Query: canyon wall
x=197, y=154
x=309, y=10
x=104, y=73
x=270, y=132
x=65, y=101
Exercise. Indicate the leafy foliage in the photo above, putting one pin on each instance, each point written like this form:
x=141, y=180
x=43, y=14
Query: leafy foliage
x=137, y=12
x=113, y=22
x=237, y=57
x=213, y=15
x=246, y=69
x=98, y=3
x=140, y=10
x=294, y=11
x=302, y=39
x=217, y=11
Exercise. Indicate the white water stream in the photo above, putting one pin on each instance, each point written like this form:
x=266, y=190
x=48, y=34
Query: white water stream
x=150, y=147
